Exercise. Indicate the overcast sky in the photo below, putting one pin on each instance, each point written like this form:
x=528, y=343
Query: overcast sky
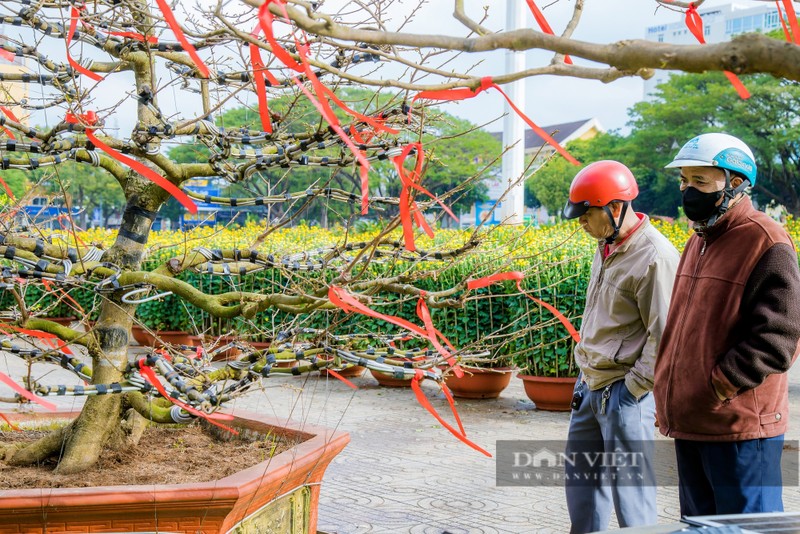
x=549, y=100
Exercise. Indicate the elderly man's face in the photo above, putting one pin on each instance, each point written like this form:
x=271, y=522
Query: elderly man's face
x=595, y=222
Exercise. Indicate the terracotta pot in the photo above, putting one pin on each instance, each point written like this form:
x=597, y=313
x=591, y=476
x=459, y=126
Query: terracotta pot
x=479, y=383
x=173, y=337
x=227, y=354
x=158, y=338
x=386, y=379
x=280, y=494
x=142, y=336
x=260, y=345
x=549, y=393
x=354, y=371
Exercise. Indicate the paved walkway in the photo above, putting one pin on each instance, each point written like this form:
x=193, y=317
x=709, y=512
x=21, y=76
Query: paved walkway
x=402, y=472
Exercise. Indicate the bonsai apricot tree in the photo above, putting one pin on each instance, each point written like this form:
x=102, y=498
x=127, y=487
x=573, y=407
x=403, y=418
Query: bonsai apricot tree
x=183, y=69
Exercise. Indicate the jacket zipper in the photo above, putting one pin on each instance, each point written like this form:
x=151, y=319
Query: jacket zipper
x=683, y=327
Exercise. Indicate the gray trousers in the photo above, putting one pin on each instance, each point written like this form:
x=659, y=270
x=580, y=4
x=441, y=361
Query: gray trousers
x=610, y=445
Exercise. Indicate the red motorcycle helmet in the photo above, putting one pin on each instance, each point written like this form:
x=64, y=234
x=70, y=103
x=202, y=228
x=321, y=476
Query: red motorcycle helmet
x=597, y=185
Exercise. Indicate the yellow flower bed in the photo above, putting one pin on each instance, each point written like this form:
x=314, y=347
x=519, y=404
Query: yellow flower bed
x=523, y=247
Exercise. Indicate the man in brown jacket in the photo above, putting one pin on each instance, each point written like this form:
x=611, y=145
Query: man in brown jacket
x=732, y=332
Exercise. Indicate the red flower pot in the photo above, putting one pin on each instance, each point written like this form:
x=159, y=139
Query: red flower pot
x=387, y=379
x=479, y=383
x=549, y=393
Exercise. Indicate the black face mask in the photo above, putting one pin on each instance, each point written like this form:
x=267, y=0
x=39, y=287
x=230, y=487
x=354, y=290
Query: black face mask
x=699, y=206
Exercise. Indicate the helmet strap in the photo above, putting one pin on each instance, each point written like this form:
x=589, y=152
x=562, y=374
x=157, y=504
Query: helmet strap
x=614, y=224
x=728, y=194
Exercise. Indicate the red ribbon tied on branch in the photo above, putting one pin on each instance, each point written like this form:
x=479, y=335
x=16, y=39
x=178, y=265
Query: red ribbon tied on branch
x=348, y=303
x=151, y=377
x=461, y=434
x=89, y=121
x=320, y=101
x=792, y=32
x=169, y=16
x=409, y=208
x=543, y=24
x=8, y=113
x=487, y=83
x=25, y=393
x=75, y=14
x=695, y=24
x=518, y=277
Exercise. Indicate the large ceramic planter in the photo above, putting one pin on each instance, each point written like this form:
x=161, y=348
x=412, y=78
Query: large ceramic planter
x=277, y=495
x=479, y=383
x=549, y=393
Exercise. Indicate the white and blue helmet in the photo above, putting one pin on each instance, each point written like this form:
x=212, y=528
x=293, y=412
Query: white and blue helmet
x=718, y=150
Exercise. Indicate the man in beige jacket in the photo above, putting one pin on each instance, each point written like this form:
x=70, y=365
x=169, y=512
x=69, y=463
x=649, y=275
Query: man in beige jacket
x=611, y=432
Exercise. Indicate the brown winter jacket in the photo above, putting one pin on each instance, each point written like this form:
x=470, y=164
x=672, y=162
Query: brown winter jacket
x=734, y=323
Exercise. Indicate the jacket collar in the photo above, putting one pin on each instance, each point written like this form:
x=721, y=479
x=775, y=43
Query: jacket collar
x=733, y=217
x=629, y=239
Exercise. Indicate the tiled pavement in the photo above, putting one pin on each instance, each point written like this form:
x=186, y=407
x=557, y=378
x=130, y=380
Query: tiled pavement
x=402, y=472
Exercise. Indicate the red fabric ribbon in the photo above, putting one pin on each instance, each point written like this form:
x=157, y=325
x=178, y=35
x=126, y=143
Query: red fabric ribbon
x=89, y=120
x=259, y=72
x=266, y=19
x=409, y=209
x=340, y=377
x=695, y=24
x=48, y=285
x=792, y=35
x=518, y=277
x=433, y=335
x=151, y=377
x=10, y=135
x=8, y=56
x=7, y=112
x=25, y=393
x=10, y=423
x=49, y=339
x=320, y=102
x=73, y=23
x=169, y=16
x=363, y=164
x=423, y=400
x=542, y=22
x=487, y=83
x=346, y=302
x=152, y=39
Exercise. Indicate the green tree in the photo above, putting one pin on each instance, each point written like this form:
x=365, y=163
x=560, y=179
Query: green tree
x=691, y=104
